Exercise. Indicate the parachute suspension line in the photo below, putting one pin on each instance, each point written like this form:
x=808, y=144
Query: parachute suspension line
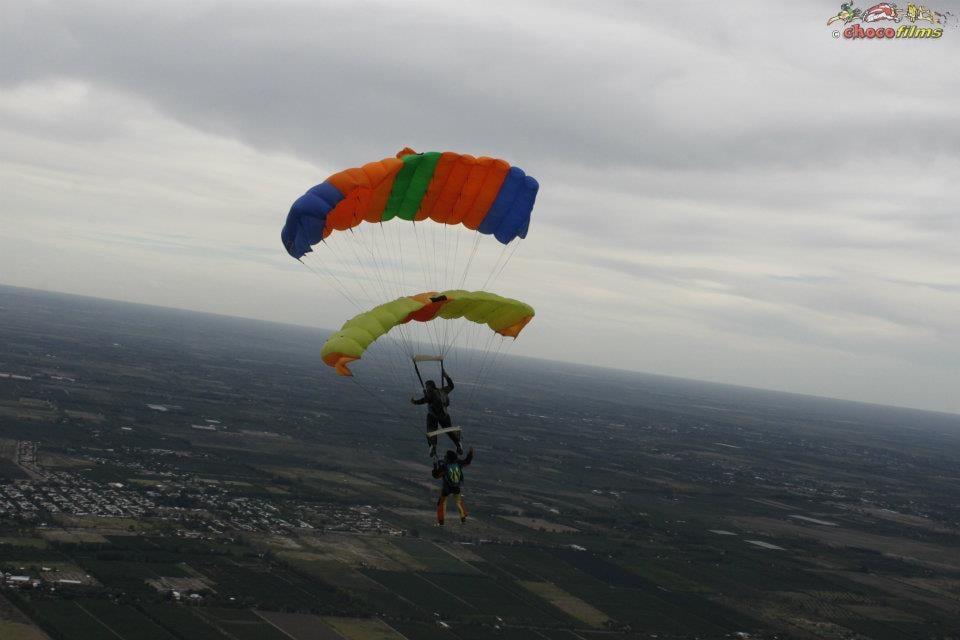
x=371, y=394
x=390, y=350
x=388, y=274
x=403, y=375
x=343, y=291
x=380, y=265
x=426, y=283
x=406, y=340
x=419, y=377
x=369, y=271
x=456, y=336
x=398, y=282
x=449, y=275
x=489, y=355
x=484, y=355
x=401, y=252
x=444, y=255
x=397, y=274
x=488, y=366
x=401, y=352
x=338, y=285
x=395, y=350
x=456, y=250
x=498, y=357
x=342, y=259
x=504, y=257
x=501, y=259
x=378, y=269
x=441, y=235
x=487, y=375
x=432, y=327
x=428, y=275
x=471, y=363
x=365, y=270
x=473, y=253
x=452, y=277
x=454, y=246
x=428, y=271
x=409, y=344
x=424, y=257
x=447, y=345
x=437, y=267
x=396, y=361
x=388, y=347
x=468, y=358
x=513, y=250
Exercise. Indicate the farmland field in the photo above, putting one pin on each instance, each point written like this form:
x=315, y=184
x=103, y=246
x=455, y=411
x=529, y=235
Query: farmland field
x=181, y=621
x=305, y=509
x=301, y=626
x=363, y=629
x=567, y=603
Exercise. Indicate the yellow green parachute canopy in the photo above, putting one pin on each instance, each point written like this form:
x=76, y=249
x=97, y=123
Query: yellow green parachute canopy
x=505, y=316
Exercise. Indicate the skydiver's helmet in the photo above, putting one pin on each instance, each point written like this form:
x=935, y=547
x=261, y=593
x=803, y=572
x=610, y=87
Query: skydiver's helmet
x=451, y=456
x=431, y=384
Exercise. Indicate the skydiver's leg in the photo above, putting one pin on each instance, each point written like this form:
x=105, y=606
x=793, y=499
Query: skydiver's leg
x=441, y=508
x=446, y=423
x=461, y=507
x=432, y=440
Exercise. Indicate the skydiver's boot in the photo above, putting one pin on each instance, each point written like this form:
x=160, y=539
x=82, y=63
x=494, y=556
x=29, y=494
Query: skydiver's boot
x=433, y=451
x=459, y=448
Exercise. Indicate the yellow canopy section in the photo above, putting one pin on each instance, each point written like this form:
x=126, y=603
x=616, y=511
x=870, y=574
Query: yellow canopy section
x=505, y=316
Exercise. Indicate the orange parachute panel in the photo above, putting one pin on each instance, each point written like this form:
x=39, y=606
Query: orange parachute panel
x=446, y=163
x=383, y=174
x=471, y=187
x=489, y=189
x=450, y=193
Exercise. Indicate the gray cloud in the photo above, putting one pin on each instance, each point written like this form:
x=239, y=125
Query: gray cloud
x=728, y=181
x=333, y=80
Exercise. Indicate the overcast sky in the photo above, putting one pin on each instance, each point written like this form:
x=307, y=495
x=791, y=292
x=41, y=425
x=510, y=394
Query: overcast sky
x=728, y=192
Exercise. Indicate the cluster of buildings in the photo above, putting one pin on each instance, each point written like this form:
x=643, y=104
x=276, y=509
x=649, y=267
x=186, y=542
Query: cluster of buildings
x=204, y=507
x=48, y=578
x=155, y=462
x=26, y=456
x=14, y=581
x=215, y=510
x=70, y=494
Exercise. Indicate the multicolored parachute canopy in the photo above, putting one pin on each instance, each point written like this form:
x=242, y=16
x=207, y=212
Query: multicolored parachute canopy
x=483, y=194
x=505, y=316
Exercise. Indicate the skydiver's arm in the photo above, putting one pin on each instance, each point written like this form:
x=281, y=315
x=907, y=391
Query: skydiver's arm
x=450, y=385
x=468, y=459
x=416, y=401
x=438, y=470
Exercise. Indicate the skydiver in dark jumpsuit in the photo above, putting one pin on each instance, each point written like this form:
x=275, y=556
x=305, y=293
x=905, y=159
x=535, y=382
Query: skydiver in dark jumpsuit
x=437, y=402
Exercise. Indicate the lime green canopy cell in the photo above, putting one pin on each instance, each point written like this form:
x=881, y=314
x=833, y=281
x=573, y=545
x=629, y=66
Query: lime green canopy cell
x=505, y=316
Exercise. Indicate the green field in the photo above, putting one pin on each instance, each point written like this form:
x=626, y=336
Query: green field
x=94, y=619
x=181, y=621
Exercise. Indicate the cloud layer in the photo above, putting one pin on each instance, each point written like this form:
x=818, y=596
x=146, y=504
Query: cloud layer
x=728, y=194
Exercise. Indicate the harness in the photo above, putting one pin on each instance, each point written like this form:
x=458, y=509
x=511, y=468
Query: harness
x=453, y=475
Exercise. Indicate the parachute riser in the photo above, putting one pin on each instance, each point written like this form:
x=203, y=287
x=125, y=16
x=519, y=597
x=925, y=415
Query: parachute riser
x=419, y=377
x=416, y=367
